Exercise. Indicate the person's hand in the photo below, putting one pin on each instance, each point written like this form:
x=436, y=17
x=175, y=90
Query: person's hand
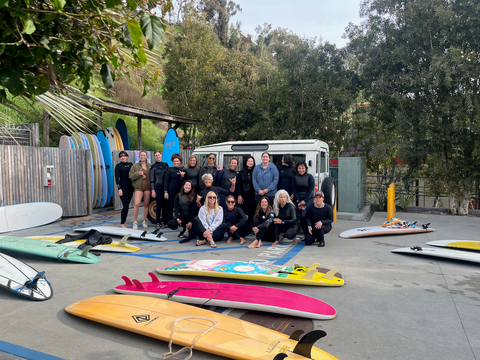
x=179, y=221
x=310, y=230
x=233, y=180
x=318, y=225
x=140, y=172
x=255, y=230
x=166, y=196
x=265, y=191
x=219, y=167
x=260, y=192
x=182, y=173
x=233, y=228
x=154, y=194
x=239, y=199
x=120, y=192
x=301, y=203
x=277, y=221
x=291, y=197
x=189, y=225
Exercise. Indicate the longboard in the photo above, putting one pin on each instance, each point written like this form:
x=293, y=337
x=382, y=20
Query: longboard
x=442, y=253
x=111, y=138
x=29, y=215
x=256, y=271
x=118, y=231
x=118, y=139
x=46, y=249
x=381, y=231
x=114, y=246
x=198, y=328
x=248, y=297
x=171, y=145
x=457, y=244
x=107, y=157
x=103, y=172
x=122, y=130
x=23, y=280
x=96, y=174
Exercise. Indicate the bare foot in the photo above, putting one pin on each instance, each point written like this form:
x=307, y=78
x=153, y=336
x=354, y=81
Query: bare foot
x=229, y=240
x=125, y=226
x=259, y=244
x=242, y=241
x=294, y=242
x=253, y=244
x=201, y=242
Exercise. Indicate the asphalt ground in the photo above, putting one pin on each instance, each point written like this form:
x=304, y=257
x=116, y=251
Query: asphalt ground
x=393, y=306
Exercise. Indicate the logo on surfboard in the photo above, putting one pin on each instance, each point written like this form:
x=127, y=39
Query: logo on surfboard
x=141, y=318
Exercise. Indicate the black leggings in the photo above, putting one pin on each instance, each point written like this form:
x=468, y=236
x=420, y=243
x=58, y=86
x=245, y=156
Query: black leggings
x=200, y=229
x=265, y=233
x=290, y=231
x=161, y=204
x=241, y=232
x=248, y=208
x=126, y=198
x=317, y=234
x=173, y=224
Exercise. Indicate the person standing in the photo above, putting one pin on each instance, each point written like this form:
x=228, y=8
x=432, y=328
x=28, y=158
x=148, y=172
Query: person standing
x=173, y=183
x=227, y=177
x=245, y=189
x=265, y=179
x=124, y=185
x=193, y=173
x=286, y=172
x=157, y=181
x=140, y=175
x=319, y=220
x=210, y=168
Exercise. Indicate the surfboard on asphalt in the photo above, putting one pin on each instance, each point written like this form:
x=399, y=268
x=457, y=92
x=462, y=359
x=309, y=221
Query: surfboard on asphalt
x=122, y=129
x=114, y=246
x=29, y=215
x=248, y=297
x=119, y=231
x=23, y=280
x=198, y=329
x=384, y=231
x=258, y=271
x=457, y=244
x=441, y=253
x=47, y=249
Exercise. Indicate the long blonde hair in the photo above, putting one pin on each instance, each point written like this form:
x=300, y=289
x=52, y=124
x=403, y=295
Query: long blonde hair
x=276, y=201
x=207, y=209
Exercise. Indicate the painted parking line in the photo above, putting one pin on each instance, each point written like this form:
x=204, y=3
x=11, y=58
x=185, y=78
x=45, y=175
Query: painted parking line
x=24, y=352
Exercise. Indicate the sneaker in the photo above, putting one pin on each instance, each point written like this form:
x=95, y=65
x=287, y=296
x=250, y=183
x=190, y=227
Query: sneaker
x=135, y=225
x=321, y=243
x=181, y=234
x=144, y=224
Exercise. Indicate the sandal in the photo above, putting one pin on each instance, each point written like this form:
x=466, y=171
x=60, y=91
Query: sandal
x=158, y=226
x=213, y=245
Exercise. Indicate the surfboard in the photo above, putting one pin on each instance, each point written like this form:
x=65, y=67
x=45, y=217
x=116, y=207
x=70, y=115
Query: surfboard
x=457, y=244
x=114, y=246
x=111, y=138
x=382, y=231
x=76, y=140
x=47, y=249
x=171, y=145
x=23, y=280
x=103, y=172
x=442, y=253
x=118, y=231
x=256, y=270
x=97, y=180
x=29, y=215
x=64, y=142
x=85, y=145
x=107, y=157
x=122, y=129
x=198, y=328
x=118, y=139
x=248, y=297
x=72, y=144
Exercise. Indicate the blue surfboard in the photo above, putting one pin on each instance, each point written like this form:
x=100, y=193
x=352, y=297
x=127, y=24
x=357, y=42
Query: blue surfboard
x=107, y=157
x=103, y=172
x=122, y=129
x=87, y=146
x=171, y=146
x=72, y=144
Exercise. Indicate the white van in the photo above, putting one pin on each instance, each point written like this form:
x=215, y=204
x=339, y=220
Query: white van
x=315, y=153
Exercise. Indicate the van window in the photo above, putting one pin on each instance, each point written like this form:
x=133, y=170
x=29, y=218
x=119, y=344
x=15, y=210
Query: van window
x=323, y=162
x=239, y=157
x=277, y=159
x=202, y=159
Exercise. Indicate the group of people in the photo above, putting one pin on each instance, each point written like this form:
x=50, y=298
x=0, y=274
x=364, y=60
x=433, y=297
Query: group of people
x=274, y=203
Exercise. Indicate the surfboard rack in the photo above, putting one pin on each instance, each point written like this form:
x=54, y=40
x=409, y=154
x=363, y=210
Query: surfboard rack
x=304, y=346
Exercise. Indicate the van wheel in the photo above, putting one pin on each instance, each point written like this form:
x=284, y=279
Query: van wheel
x=328, y=188
x=152, y=212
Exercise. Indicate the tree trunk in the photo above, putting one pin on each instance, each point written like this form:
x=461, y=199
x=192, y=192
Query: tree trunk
x=452, y=205
x=463, y=207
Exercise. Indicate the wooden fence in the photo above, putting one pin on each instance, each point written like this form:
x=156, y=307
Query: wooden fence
x=22, y=172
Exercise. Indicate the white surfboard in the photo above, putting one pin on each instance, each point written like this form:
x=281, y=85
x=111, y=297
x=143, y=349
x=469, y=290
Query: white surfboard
x=118, y=231
x=29, y=215
x=381, y=231
x=111, y=138
x=443, y=253
x=457, y=244
x=23, y=280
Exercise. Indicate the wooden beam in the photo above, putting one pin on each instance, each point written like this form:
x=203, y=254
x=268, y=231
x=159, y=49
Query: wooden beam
x=46, y=129
x=139, y=133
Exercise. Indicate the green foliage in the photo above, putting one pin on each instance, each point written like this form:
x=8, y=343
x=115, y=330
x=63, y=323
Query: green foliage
x=405, y=198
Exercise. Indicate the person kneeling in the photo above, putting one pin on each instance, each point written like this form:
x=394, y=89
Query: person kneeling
x=236, y=221
x=319, y=220
x=209, y=224
x=263, y=223
x=285, y=220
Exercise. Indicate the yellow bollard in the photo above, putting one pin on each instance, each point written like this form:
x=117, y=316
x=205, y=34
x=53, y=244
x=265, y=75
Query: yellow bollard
x=391, y=201
x=335, y=210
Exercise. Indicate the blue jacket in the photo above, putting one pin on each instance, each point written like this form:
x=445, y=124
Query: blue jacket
x=265, y=179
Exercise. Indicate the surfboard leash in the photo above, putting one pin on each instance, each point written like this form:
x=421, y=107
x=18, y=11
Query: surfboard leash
x=173, y=292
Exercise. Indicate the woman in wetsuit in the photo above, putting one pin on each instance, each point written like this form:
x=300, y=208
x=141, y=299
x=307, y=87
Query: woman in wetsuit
x=173, y=183
x=245, y=190
x=236, y=221
x=124, y=185
x=303, y=186
x=140, y=175
x=286, y=172
x=185, y=211
x=285, y=220
x=263, y=223
x=157, y=180
x=227, y=177
x=193, y=173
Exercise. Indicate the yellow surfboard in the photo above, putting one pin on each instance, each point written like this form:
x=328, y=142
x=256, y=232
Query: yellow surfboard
x=118, y=139
x=196, y=328
x=457, y=244
x=114, y=246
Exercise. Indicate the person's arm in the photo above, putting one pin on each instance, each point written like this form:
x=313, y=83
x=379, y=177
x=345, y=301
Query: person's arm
x=311, y=189
x=217, y=221
x=218, y=177
x=293, y=215
x=176, y=206
x=117, y=176
x=167, y=181
x=242, y=216
x=152, y=177
x=294, y=190
x=269, y=220
x=276, y=174
x=256, y=186
x=329, y=215
x=133, y=174
x=308, y=216
x=193, y=210
x=200, y=181
x=202, y=216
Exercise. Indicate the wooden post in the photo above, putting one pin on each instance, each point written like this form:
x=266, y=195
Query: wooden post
x=139, y=133
x=46, y=129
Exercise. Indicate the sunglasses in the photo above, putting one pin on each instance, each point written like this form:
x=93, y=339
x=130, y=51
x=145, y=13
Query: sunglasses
x=230, y=202
x=212, y=197
x=211, y=158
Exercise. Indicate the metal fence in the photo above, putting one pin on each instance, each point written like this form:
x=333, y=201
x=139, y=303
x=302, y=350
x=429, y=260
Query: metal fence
x=22, y=135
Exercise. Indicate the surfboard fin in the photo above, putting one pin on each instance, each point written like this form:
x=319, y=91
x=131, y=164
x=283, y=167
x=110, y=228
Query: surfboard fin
x=154, y=277
x=280, y=356
x=127, y=280
x=416, y=248
x=296, y=335
x=309, y=274
x=425, y=226
x=304, y=346
x=123, y=242
x=138, y=285
x=330, y=274
x=85, y=251
x=32, y=284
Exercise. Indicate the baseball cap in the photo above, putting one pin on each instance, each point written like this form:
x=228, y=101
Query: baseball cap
x=319, y=193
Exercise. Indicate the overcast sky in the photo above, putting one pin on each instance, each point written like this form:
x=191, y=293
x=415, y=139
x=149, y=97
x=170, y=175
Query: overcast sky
x=325, y=18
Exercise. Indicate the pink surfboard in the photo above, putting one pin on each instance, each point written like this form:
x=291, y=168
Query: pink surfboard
x=248, y=297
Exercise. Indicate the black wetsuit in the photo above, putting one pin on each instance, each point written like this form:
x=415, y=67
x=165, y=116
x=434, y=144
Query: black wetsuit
x=285, y=175
x=289, y=226
x=221, y=193
x=124, y=183
x=244, y=188
x=264, y=223
x=236, y=217
x=173, y=184
x=157, y=182
x=223, y=178
x=303, y=187
x=315, y=214
x=193, y=175
x=207, y=170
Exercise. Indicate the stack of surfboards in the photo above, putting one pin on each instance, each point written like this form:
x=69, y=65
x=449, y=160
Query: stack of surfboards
x=101, y=145
x=458, y=254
